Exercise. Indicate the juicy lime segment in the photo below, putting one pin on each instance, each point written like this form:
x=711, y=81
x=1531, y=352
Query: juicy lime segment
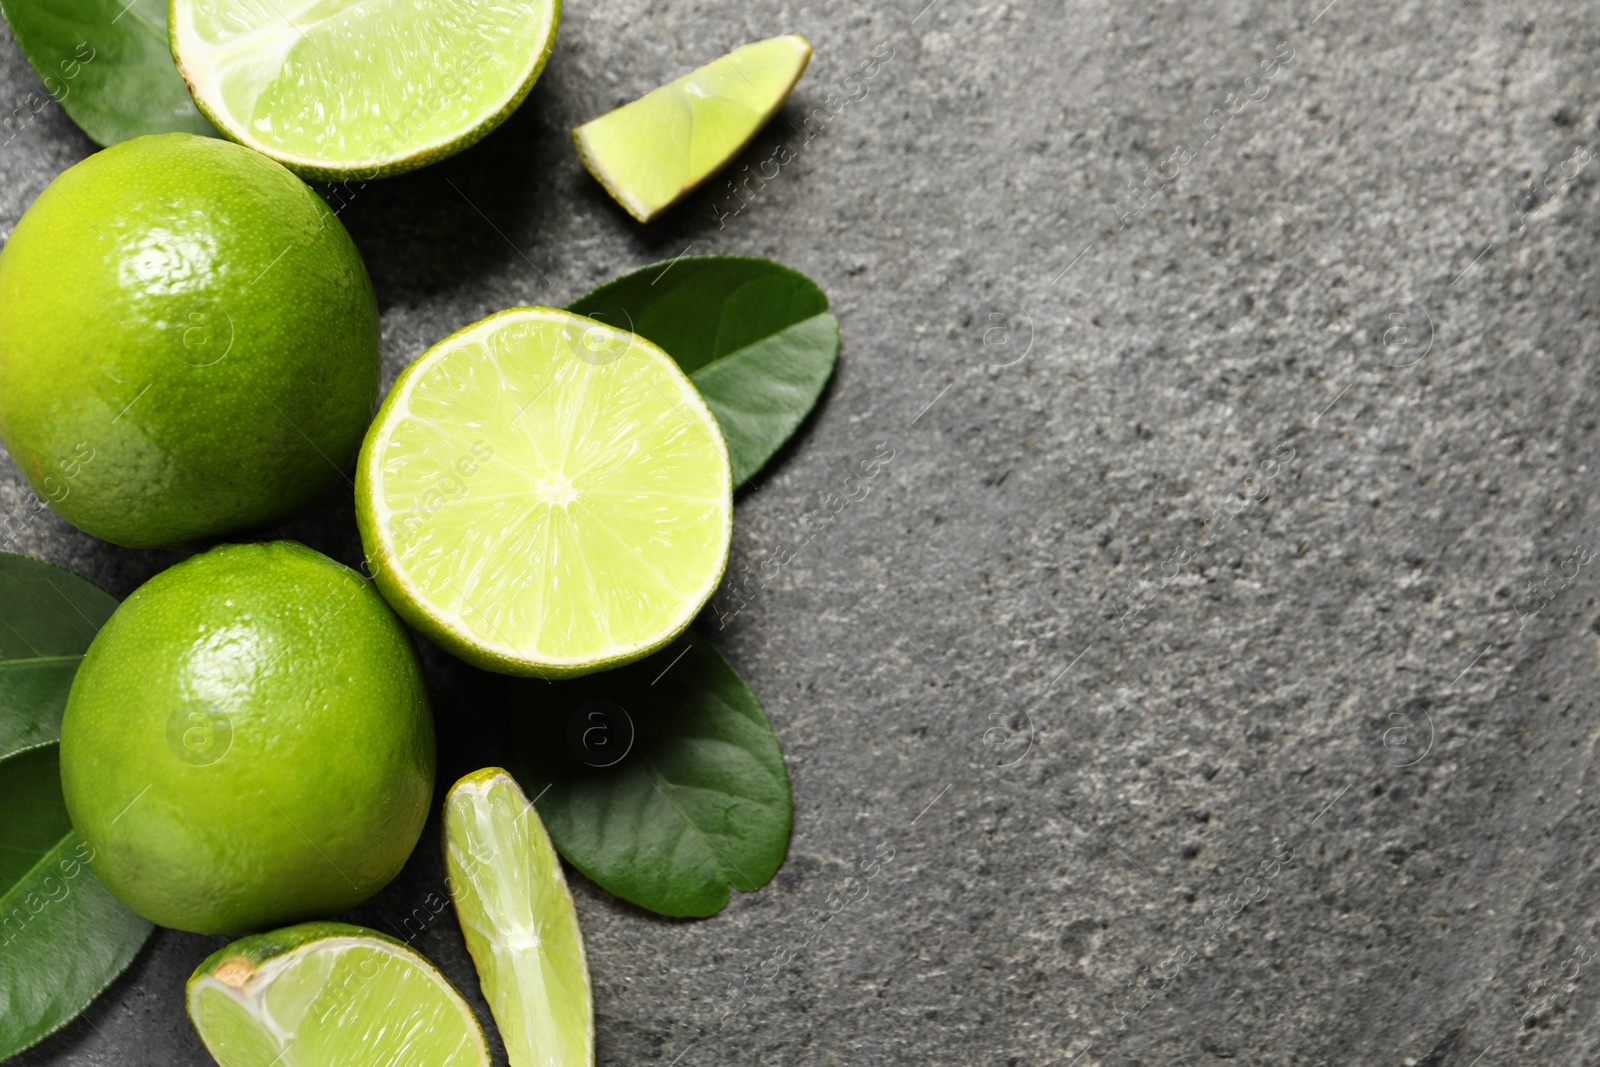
x=519, y=922
x=330, y=995
x=542, y=494
x=334, y=88
x=651, y=153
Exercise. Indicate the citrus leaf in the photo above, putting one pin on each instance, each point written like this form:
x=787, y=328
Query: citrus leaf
x=33, y=694
x=108, y=64
x=662, y=781
x=63, y=936
x=50, y=616
x=755, y=337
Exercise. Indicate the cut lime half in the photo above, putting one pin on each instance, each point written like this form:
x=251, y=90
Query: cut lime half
x=338, y=89
x=330, y=995
x=519, y=922
x=651, y=153
x=542, y=494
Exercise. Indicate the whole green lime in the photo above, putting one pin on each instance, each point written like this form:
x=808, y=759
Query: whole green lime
x=188, y=343
x=248, y=742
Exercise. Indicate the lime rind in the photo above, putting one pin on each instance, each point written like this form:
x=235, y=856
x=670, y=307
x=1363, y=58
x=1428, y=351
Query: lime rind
x=545, y=495
x=338, y=90
x=651, y=153
x=330, y=995
x=519, y=922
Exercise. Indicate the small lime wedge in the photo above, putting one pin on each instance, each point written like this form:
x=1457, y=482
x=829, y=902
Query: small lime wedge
x=519, y=922
x=651, y=153
x=340, y=89
x=330, y=995
x=542, y=494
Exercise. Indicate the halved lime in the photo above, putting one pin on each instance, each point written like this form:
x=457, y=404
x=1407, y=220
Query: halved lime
x=651, y=153
x=330, y=995
x=519, y=922
x=542, y=494
x=338, y=89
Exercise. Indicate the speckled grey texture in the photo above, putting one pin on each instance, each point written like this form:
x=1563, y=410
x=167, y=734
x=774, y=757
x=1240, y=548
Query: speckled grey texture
x=1214, y=654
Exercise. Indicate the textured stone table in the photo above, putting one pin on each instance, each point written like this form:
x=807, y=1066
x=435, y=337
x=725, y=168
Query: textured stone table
x=1215, y=653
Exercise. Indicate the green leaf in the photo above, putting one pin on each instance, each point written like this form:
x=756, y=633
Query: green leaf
x=50, y=617
x=30, y=786
x=63, y=936
x=33, y=694
x=108, y=63
x=697, y=798
x=755, y=337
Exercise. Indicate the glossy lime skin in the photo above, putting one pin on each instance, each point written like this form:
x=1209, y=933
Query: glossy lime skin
x=188, y=343
x=248, y=742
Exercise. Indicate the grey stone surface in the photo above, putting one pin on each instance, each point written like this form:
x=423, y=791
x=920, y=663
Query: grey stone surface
x=1262, y=569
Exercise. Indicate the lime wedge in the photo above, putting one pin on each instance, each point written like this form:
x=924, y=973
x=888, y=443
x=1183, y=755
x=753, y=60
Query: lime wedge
x=542, y=494
x=519, y=922
x=337, y=88
x=651, y=153
x=330, y=995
